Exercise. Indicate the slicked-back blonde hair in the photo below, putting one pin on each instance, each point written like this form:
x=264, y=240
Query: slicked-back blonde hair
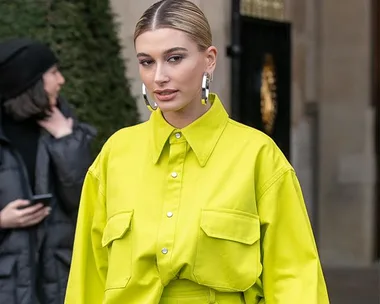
x=180, y=15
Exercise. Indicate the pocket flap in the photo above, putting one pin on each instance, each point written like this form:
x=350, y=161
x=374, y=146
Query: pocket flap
x=116, y=227
x=231, y=225
x=7, y=262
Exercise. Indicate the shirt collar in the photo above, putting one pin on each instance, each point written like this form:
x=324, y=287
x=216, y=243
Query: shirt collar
x=202, y=135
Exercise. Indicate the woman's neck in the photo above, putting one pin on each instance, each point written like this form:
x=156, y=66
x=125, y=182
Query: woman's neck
x=187, y=115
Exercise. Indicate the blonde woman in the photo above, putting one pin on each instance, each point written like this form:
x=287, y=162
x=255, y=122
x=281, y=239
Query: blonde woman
x=190, y=206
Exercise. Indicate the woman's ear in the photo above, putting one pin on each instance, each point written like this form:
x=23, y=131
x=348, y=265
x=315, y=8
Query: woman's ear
x=211, y=55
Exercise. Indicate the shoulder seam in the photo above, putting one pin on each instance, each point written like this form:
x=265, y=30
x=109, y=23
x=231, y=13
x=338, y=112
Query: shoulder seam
x=97, y=177
x=277, y=176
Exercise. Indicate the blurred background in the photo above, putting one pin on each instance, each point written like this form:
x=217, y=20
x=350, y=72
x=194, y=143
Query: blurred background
x=306, y=72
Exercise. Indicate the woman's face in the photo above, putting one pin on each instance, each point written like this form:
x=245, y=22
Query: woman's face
x=53, y=81
x=171, y=67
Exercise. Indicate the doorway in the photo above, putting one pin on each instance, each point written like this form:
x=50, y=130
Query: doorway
x=261, y=70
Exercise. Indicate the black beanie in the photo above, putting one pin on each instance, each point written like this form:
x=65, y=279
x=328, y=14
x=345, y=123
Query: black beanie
x=22, y=64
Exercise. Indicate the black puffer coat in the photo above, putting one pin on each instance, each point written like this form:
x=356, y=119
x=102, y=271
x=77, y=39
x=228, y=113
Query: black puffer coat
x=35, y=261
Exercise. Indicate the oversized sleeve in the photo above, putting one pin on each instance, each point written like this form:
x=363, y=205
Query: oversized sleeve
x=89, y=263
x=71, y=157
x=292, y=271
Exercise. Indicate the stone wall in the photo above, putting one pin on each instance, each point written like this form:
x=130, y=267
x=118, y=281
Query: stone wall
x=346, y=164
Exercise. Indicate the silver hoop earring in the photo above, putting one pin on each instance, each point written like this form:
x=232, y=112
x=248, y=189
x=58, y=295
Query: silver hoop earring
x=146, y=99
x=205, y=88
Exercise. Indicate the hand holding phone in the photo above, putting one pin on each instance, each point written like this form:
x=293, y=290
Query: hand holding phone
x=44, y=199
x=21, y=213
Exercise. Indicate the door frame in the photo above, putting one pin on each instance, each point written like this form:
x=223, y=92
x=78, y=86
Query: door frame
x=376, y=105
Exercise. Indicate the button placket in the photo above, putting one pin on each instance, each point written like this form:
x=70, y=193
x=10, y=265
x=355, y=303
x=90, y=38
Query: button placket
x=166, y=236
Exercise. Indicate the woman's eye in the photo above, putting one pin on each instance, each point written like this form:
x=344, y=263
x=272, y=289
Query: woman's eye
x=175, y=58
x=145, y=62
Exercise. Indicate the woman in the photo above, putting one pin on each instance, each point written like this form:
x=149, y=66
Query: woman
x=43, y=150
x=191, y=206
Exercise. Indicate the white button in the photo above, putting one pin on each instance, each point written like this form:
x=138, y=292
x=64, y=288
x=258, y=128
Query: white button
x=178, y=135
x=164, y=250
x=169, y=214
x=174, y=174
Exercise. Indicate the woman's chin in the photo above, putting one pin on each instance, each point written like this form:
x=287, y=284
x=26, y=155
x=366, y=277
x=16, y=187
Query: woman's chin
x=170, y=106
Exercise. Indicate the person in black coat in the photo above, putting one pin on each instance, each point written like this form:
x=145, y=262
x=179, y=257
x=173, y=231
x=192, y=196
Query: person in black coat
x=44, y=149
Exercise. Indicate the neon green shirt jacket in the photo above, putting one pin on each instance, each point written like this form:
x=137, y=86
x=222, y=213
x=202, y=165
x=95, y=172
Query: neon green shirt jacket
x=216, y=203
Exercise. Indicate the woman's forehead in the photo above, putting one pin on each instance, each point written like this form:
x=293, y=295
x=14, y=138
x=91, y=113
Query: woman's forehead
x=161, y=40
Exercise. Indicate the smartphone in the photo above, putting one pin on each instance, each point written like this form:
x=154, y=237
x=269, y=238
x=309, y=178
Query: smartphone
x=45, y=199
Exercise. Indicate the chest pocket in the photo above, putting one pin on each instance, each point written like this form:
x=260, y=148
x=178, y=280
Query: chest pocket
x=117, y=238
x=228, y=253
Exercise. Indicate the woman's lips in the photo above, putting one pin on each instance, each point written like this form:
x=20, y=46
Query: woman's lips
x=165, y=95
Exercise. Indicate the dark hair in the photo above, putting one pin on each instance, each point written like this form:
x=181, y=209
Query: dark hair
x=33, y=103
x=180, y=15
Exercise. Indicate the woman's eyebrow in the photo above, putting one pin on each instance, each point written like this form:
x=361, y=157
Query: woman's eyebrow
x=168, y=51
